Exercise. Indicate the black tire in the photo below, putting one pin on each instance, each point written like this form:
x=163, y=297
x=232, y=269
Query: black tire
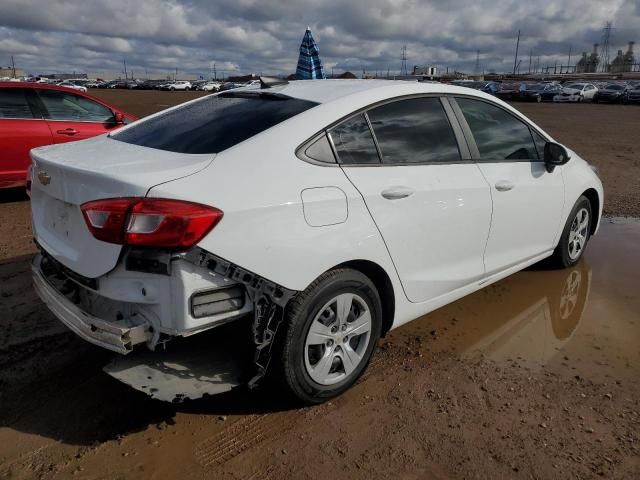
x=301, y=312
x=561, y=257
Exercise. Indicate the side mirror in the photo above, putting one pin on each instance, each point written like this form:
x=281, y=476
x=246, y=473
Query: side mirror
x=554, y=155
x=119, y=118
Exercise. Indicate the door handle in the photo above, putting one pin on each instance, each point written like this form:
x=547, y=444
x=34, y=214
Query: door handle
x=67, y=131
x=504, y=185
x=397, y=192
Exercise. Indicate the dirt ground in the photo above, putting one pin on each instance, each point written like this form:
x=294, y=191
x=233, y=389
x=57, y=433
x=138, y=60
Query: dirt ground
x=533, y=377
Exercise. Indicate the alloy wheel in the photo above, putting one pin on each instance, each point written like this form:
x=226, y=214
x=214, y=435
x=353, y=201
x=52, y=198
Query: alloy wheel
x=337, y=339
x=578, y=234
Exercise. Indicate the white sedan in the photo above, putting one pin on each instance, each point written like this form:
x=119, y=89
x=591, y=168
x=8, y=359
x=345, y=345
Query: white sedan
x=576, y=92
x=327, y=212
x=73, y=86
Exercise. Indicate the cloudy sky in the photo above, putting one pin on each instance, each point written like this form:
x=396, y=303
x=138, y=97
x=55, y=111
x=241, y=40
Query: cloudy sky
x=263, y=36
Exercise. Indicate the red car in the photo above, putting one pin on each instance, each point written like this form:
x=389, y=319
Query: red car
x=32, y=115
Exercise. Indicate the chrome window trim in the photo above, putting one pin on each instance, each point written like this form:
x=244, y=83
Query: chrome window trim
x=463, y=148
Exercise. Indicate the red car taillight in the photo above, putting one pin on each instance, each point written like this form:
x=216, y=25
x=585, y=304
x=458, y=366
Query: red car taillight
x=150, y=222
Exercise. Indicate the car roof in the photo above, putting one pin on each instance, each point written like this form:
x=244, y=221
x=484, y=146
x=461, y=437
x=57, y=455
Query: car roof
x=325, y=91
x=43, y=86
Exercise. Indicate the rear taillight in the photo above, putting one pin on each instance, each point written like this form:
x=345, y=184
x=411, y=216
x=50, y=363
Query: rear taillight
x=151, y=222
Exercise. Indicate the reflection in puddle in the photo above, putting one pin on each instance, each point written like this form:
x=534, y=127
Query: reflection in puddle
x=546, y=322
x=586, y=318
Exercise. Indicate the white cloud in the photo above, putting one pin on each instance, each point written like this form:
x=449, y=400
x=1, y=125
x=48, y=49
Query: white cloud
x=264, y=35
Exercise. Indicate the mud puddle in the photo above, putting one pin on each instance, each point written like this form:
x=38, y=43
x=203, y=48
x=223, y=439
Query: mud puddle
x=533, y=377
x=587, y=317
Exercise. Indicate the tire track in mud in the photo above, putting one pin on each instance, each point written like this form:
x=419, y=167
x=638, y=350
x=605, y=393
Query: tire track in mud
x=250, y=431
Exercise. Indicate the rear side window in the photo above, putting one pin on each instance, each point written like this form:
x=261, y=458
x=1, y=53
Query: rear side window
x=498, y=134
x=415, y=130
x=354, y=143
x=14, y=104
x=73, y=108
x=215, y=123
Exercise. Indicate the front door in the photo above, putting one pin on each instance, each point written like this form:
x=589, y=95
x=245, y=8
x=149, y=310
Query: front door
x=432, y=208
x=21, y=129
x=73, y=117
x=527, y=200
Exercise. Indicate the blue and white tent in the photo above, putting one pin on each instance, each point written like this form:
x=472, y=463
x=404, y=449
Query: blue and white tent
x=309, y=63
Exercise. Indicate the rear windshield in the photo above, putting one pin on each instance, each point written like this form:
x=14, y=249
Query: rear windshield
x=214, y=124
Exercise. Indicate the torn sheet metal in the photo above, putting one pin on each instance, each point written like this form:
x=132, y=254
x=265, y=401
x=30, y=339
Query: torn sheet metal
x=206, y=364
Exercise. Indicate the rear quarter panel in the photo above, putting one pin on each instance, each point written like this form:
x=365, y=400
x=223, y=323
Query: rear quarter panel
x=258, y=184
x=259, y=188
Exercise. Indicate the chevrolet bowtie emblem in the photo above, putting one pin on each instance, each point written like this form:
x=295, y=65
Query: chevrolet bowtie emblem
x=44, y=177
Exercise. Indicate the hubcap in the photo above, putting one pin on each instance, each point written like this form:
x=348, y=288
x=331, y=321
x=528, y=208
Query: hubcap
x=578, y=233
x=337, y=339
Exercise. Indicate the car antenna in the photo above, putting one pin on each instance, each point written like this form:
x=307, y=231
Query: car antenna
x=268, y=82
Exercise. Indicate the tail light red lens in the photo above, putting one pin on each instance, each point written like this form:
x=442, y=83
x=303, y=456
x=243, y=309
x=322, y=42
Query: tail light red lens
x=151, y=222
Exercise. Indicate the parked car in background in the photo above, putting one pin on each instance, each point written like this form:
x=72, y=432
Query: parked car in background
x=74, y=86
x=508, y=91
x=151, y=84
x=489, y=87
x=612, y=93
x=210, y=86
x=532, y=92
x=177, y=85
x=550, y=90
x=32, y=115
x=165, y=244
x=633, y=94
x=230, y=86
x=576, y=92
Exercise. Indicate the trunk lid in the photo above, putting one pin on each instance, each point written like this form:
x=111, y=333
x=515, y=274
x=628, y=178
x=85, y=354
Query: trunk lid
x=68, y=175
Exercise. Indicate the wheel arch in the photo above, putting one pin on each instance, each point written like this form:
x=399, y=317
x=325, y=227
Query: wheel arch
x=383, y=284
x=594, y=200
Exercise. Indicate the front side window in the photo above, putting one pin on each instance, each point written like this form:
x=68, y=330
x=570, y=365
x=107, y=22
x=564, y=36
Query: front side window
x=14, y=104
x=215, y=123
x=498, y=134
x=353, y=142
x=73, y=108
x=415, y=130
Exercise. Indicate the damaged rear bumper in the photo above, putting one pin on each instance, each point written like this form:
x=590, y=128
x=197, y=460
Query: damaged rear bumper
x=113, y=336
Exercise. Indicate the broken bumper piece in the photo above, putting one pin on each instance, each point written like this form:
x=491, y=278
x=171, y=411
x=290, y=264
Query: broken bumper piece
x=114, y=336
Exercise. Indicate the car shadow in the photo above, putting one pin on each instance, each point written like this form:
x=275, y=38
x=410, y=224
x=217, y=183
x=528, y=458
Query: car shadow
x=10, y=195
x=52, y=383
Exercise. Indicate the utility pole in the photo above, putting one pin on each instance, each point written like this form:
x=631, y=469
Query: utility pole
x=515, y=60
x=13, y=67
x=125, y=68
x=403, y=57
x=607, y=32
x=569, y=61
x=530, y=56
x=175, y=77
x=476, y=69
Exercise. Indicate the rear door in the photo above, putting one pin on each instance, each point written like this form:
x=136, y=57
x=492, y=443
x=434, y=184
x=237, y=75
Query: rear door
x=428, y=199
x=527, y=200
x=21, y=129
x=74, y=117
